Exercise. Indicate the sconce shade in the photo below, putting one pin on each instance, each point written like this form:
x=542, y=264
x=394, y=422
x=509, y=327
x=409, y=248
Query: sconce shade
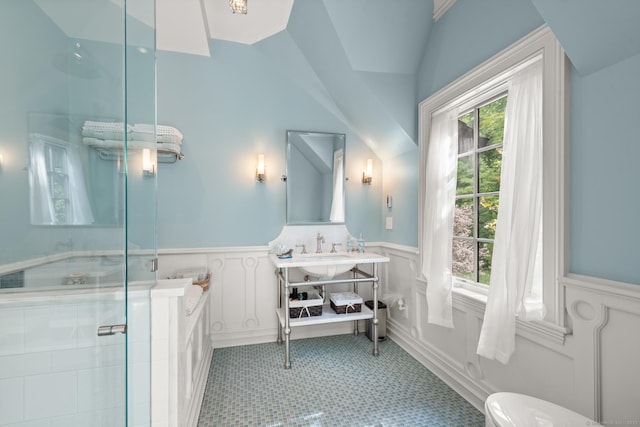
x=260, y=173
x=148, y=167
x=367, y=174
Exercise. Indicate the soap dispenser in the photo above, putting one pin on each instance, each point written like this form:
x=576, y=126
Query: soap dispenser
x=349, y=244
x=361, y=244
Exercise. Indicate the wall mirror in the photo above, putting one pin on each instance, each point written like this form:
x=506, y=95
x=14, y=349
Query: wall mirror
x=315, y=177
x=69, y=184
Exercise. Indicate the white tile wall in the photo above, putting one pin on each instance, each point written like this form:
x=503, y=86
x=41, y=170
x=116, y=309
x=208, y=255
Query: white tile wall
x=11, y=331
x=101, y=388
x=44, y=422
x=24, y=364
x=11, y=391
x=49, y=395
x=56, y=372
x=50, y=328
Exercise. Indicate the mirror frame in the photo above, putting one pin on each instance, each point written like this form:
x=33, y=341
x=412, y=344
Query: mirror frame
x=288, y=177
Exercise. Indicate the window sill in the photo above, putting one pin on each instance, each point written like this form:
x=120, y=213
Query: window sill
x=467, y=299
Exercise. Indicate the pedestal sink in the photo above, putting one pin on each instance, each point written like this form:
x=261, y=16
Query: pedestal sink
x=326, y=265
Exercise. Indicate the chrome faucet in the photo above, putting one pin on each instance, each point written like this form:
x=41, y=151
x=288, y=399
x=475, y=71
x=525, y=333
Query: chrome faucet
x=304, y=249
x=319, y=242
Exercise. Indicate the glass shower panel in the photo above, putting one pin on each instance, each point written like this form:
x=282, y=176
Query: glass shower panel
x=78, y=212
x=142, y=168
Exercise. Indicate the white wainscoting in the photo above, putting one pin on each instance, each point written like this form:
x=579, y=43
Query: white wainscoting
x=181, y=349
x=593, y=370
x=243, y=294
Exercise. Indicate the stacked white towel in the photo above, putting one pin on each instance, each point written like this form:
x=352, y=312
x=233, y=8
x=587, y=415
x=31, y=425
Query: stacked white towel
x=112, y=135
x=105, y=130
x=159, y=133
x=115, y=143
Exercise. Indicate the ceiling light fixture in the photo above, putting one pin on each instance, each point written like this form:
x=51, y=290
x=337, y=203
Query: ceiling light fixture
x=238, y=6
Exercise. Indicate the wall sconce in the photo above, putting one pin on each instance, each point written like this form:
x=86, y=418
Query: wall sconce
x=367, y=174
x=1, y=161
x=261, y=176
x=148, y=166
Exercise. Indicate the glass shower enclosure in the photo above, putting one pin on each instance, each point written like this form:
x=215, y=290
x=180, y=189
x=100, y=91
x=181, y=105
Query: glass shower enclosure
x=77, y=211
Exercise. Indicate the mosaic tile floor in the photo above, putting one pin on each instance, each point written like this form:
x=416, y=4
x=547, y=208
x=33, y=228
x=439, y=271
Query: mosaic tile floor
x=333, y=381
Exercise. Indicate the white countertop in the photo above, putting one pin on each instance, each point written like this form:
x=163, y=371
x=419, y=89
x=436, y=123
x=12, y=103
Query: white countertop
x=339, y=258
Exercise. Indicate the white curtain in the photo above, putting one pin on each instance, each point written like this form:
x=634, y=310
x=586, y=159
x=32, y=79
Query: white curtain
x=439, y=202
x=517, y=245
x=41, y=204
x=80, y=207
x=337, y=202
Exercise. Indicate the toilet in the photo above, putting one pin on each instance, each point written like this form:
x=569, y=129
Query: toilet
x=518, y=410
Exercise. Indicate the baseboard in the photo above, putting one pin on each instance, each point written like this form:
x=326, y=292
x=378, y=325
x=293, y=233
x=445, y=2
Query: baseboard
x=235, y=339
x=473, y=392
x=202, y=374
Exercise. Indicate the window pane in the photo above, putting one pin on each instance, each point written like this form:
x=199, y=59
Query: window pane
x=465, y=133
x=489, y=165
x=464, y=184
x=491, y=122
x=485, y=253
x=58, y=159
x=60, y=209
x=487, y=216
x=463, y=218
x=463, y=259
x=58, y=185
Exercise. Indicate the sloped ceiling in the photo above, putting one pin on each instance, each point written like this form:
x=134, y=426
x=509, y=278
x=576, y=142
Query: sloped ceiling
x=264, y=19
x=182, y=24
x=351, y=61
x=357, y=58
x=594, y=33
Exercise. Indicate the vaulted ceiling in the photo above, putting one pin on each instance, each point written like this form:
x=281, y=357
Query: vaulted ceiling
x=357, y=58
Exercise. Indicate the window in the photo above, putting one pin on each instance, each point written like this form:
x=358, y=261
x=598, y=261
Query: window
x=480, y=135
x=478, y=102
x=57, y=188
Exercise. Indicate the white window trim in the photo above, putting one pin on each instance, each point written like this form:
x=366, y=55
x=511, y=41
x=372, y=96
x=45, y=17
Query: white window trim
x=485, y=78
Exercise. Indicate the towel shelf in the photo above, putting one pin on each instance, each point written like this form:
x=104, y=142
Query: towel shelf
x=164, y=156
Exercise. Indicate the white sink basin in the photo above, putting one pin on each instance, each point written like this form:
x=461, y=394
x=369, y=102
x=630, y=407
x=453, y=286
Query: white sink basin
x=326, y=265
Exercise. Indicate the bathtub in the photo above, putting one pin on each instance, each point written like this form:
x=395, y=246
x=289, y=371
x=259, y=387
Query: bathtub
x=72, y=270
x=182, y=349
x=49, y=346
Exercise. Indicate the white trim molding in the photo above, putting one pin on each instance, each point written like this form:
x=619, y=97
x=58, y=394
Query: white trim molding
x=605, y=317
x=440, y=7
x=487, y=77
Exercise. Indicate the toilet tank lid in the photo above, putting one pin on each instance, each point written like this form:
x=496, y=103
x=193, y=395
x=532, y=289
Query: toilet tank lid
x=513, y=409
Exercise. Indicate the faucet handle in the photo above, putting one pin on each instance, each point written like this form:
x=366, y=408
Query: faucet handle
x=304, y=248
x=333, y=247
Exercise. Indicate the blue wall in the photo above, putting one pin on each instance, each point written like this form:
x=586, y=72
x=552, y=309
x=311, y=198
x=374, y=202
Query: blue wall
x=605, y=177
x=230, y=107
x=401, y=184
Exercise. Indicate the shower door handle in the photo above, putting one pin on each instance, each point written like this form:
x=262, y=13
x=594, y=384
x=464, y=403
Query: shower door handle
x=112, y=330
